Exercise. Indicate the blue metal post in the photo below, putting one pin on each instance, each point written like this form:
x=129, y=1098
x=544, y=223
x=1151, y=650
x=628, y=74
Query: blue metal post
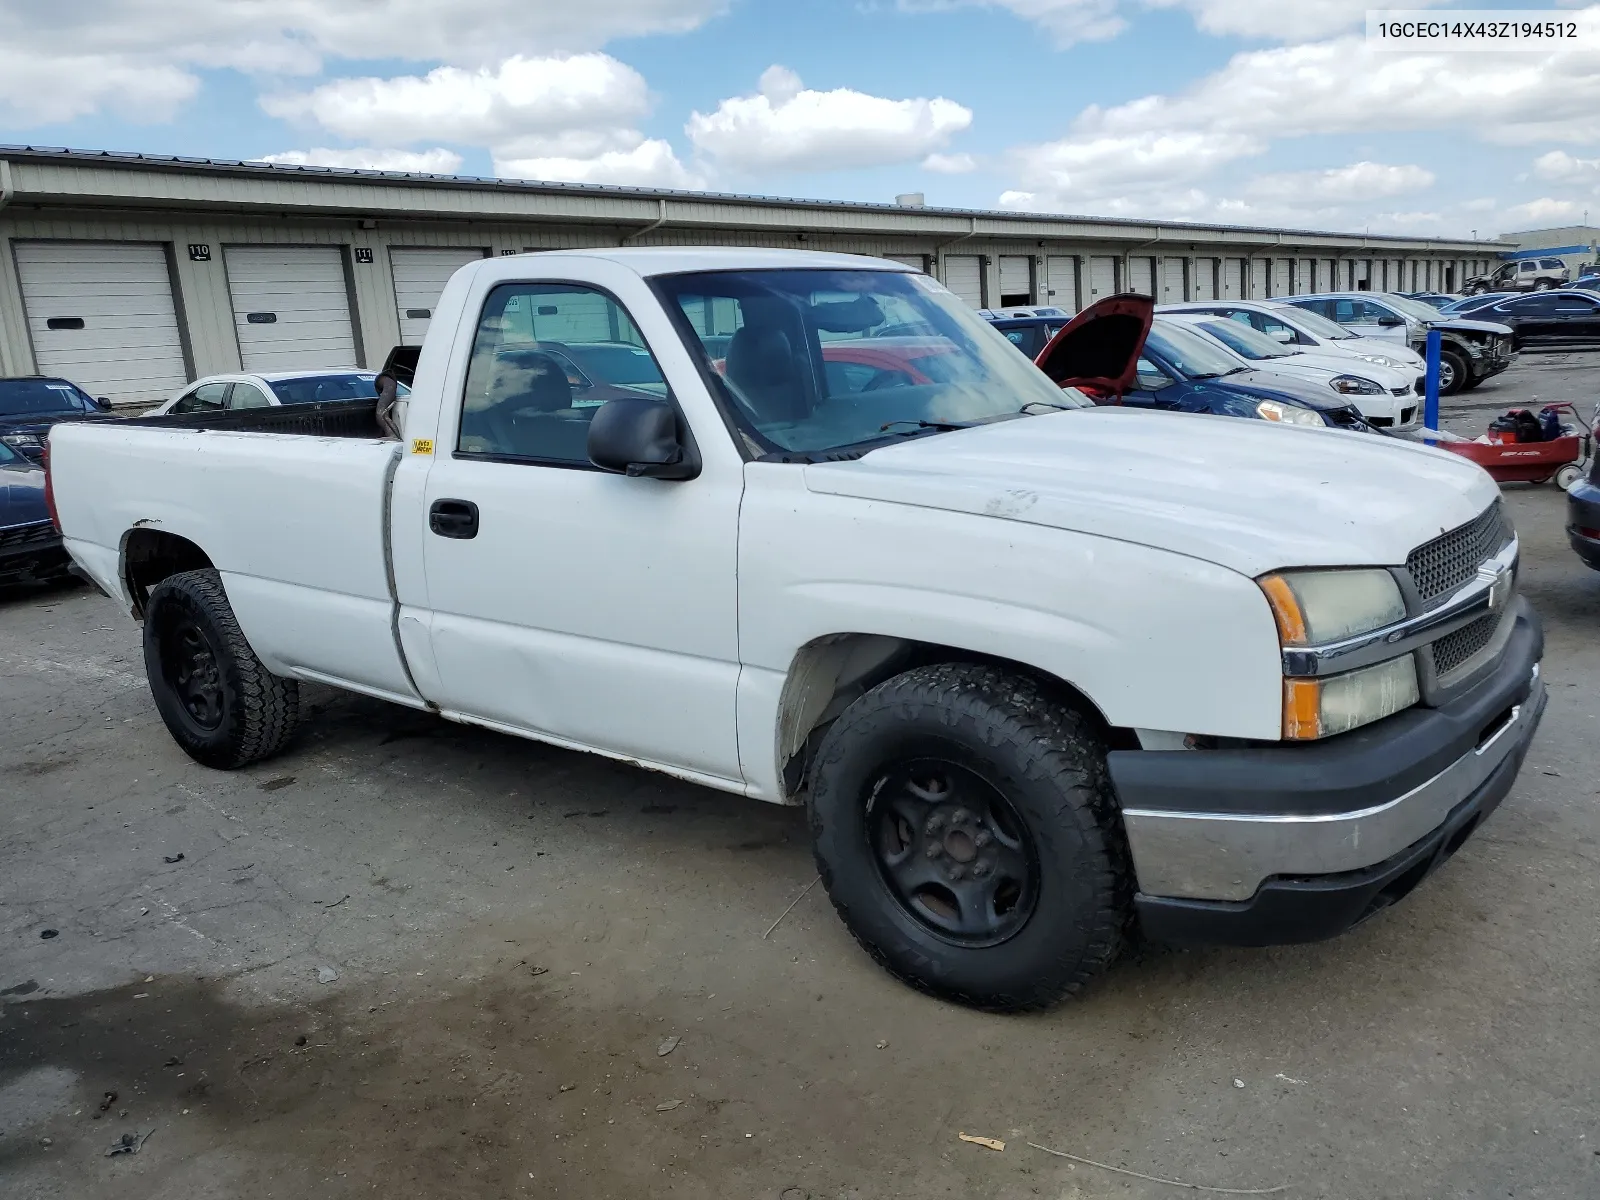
x=1430, y=402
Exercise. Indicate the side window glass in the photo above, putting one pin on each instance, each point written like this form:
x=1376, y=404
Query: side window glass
x=248, y=395
x=1344, y=312
x=545, y=357
x=1151, y=377
x=208, y=397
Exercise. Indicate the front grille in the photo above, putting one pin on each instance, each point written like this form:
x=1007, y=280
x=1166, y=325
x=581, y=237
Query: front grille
x=1408, y=414
x=1453, y=649
x=1343, y=417
x=16, y=537
x=1453, y=558
x=1400, y=391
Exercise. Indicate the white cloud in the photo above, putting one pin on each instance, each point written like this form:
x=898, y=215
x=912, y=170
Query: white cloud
x=651, y=163
x=1562, y=167
x=567, y=118
x=788, y=127
x=1067, y=21
x=437, y=161
x=522, y=96
x=950, y=164
x=59, y=61
x=1076, y=170
x=1545, y=210
x=1356, y=183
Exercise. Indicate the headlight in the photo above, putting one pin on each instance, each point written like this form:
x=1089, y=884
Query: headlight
x=1354, y=385
x=1316, y=607
x=22, y=441
x=1380, y=360
x=1288, y=414
x=1319, y=708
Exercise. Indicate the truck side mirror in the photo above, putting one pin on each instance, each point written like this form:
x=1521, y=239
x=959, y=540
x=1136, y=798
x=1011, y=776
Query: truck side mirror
x=637, y=437
x=103, y=403
x=1389, y=321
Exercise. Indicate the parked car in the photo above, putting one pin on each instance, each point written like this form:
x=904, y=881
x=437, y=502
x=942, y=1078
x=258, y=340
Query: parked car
x=1182, y=370
x=1472, y=350
x=1589, y=283
x=30, y=546
x=1471, y=304
x=1387, y=397
x=1030, y=334
x=1567, y=315
x=1523, y=275
x=1039, y=670
x=1436, y=299
x=31, y=404
x=1583, y=517
x=1297, y=327
x=224, y=393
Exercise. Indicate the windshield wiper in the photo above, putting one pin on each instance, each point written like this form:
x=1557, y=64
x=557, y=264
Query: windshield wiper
x=1047, y=404
x=1220, y=374
x=941, y=426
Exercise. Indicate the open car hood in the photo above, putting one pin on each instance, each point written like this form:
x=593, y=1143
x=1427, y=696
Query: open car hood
x=1099, y=348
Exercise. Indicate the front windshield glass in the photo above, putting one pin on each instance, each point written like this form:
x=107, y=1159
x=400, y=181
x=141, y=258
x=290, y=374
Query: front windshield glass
x=42, y=398
x=1318, y=325
x=1188, y=353
x=1245, y=339
x=818, y=360
x=1415, y=309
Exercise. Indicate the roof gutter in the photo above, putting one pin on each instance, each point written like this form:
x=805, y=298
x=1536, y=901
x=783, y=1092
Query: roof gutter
x=651, y=227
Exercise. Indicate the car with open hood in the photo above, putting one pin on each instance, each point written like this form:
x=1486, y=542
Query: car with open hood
x=1118, y=351
x=1039, y=670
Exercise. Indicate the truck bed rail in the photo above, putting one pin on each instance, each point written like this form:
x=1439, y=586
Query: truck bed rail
x=323, y=418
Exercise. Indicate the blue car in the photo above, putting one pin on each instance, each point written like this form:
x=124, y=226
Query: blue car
x=1176, y=369
x=31, y=404
x=30, y=547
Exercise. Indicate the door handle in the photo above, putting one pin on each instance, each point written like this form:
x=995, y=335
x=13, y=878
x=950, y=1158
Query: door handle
x=454, y=519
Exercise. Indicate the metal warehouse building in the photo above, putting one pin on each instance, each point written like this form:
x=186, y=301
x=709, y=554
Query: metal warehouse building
x=133, y=274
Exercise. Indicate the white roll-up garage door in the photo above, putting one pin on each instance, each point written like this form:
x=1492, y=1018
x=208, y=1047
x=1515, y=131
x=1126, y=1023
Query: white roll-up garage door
x=291, y=307
x=1102, y=276
x=963, y=275
x=1061, y=288
x=1173, y=286
x=419, y=277
x=1233, y=279
x=1279, y=285
x=1142, y=275
x=1016, y=280
x=919, y=261
x=101, y=315
x=1205, y=279
x=1304, y=269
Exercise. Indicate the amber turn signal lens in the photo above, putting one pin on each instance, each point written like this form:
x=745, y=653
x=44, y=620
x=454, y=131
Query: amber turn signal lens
x=1302, y=709
x=1285, y=609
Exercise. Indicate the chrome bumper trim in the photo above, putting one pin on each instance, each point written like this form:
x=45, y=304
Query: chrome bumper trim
x=1489, y=592
x=1226, y=856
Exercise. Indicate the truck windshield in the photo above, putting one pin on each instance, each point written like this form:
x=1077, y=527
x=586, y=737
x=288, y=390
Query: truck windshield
x=820, y=360
x=42, y=398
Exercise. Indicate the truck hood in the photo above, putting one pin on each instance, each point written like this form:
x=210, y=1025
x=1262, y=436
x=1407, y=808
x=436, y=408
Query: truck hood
x=1464, y=325
x=1252, y=496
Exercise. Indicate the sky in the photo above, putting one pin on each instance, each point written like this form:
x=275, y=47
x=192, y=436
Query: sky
x=1276, y=112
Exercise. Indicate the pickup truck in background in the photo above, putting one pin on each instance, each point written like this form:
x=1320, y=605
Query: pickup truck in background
x=1042, y=671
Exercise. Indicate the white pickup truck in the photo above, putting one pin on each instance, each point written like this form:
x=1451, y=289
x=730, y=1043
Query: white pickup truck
x=804, y=527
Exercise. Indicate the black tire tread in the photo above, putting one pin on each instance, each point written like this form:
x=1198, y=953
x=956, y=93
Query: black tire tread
x=1057, y=742
x=266, y=706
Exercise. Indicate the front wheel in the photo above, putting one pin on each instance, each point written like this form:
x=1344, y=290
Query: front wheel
x=219, y=703
x=965, y=827
x=1453, y=372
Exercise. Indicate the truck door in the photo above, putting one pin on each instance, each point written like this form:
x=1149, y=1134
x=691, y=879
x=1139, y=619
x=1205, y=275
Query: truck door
x=578, y=605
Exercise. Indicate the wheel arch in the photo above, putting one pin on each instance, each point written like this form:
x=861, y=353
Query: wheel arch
x=829, y=673
x=150, y=555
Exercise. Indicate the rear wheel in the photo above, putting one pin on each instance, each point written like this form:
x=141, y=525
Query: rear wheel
x=965, y=828
x=219, y=703
x=1569, y=475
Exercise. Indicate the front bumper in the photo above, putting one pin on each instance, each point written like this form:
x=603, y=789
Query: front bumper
x=1296, y=843
x=1583, y=513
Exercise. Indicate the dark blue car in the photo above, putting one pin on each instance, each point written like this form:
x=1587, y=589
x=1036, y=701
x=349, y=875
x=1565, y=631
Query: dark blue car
x=30, y=547
x=1176, y=369
x=31, y=404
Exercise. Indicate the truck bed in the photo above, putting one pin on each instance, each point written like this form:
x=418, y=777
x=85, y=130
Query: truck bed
x=327, y=418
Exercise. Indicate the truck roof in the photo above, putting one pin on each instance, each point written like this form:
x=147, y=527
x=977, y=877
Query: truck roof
x=674, y=260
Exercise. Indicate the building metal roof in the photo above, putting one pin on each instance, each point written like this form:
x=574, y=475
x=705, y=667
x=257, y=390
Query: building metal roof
x=35, y=174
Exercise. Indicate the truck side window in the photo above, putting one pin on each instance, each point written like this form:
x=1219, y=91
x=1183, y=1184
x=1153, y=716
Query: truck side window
x=545, y=357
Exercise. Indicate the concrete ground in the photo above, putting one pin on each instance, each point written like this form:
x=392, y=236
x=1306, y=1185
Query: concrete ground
x=510, y=936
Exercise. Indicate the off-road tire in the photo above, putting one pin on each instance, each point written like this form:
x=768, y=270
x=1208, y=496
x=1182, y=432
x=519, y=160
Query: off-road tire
x=257, y=710
x=1047, y=762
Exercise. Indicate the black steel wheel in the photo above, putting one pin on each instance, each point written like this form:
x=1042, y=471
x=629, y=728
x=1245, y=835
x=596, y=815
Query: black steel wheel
x=953, y=851
x=221, y=705
x=965, y=828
